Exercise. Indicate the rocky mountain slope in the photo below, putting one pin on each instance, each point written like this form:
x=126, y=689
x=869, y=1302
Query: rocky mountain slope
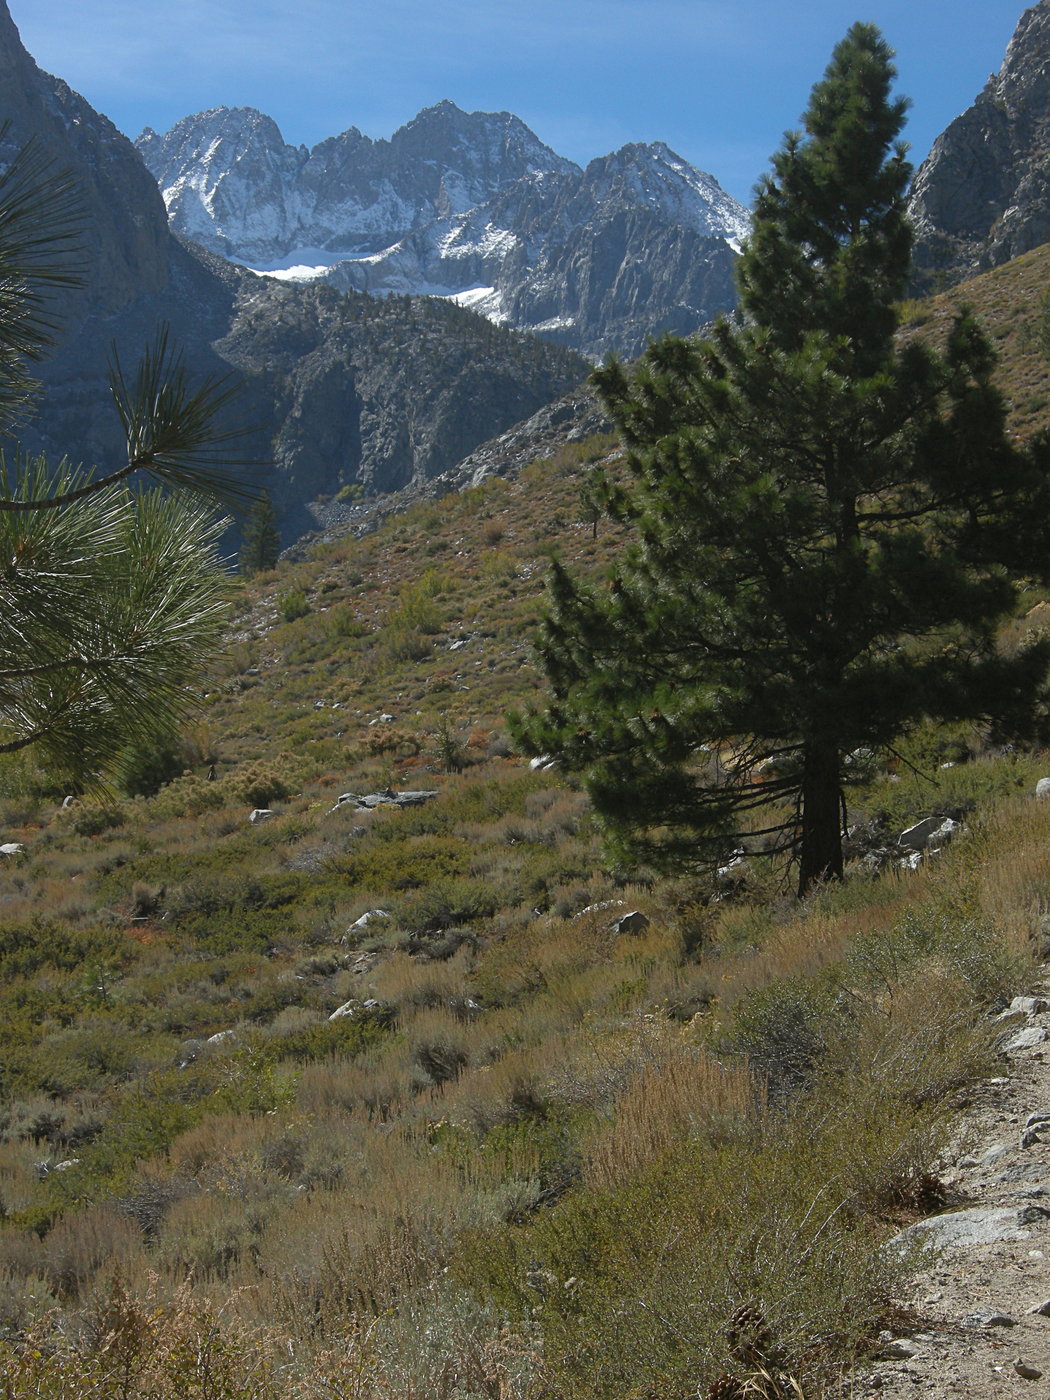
x=472, y=207
x=340, y=388
x=983, y=194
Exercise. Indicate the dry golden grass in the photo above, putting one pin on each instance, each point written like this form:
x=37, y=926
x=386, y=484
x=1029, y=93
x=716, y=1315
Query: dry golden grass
x=688, y=1092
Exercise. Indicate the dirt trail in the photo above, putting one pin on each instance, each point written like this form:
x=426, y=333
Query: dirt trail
x=972, y=1312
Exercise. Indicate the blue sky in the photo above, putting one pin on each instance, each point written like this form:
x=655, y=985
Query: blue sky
x=719, y=80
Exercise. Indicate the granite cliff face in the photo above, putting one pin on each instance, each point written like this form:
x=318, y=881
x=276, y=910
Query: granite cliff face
x=983, y=194
x=467, y=206
x=339, y=388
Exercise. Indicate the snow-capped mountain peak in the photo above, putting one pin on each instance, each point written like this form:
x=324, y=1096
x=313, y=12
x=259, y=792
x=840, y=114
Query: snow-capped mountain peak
x=466, y=205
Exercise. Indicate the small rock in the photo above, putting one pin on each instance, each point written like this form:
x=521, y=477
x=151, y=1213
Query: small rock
x=261, y=814
x=1029, y=1006
x=1040, y=1309
x=12, y=848
x=899, y=1349
x=371, y=916
x=989, y=1319
x=348, y=1008
x=1042, y=788
x=1026, y=1372
x=634, y=922
x=1034, y=1118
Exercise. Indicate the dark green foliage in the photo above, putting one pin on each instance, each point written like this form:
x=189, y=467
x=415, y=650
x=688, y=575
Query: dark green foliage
x=829, y=528
x=146, y=765
x=262, y=541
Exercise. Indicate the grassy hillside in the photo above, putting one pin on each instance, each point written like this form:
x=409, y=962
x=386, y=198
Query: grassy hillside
x=545, y=1151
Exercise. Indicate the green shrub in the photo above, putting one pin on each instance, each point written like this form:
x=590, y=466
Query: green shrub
x=293, y=604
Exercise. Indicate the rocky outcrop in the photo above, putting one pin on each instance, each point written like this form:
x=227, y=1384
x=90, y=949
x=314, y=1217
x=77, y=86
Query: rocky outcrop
x=983, y=194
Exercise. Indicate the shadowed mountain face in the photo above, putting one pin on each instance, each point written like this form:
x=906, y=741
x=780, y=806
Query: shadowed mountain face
x=467, y=206
x=983, y=194
x=339, y=388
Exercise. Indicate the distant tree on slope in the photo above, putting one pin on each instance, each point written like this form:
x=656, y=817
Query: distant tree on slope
x=829, y=526
x=261, y=543
x=109, y=599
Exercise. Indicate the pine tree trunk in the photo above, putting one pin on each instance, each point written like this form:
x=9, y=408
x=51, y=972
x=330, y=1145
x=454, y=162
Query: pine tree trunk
x=821, y=856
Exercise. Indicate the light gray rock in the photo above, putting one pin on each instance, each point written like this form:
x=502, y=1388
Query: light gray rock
x=261, y=814
x=1042, y=788
x=348, y=1008
x=1025, y=1039
x=1030, y=1006
x=963, y=1229
x=389, y=798
x=930, y=834
x=899, y=1349
x=370, y=916
x=12, y=848
x=989, y=1319
x=353, y=1007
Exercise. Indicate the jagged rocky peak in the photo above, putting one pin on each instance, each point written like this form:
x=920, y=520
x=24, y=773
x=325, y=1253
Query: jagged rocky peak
x=498, y=146
x=211, y=137
x=982, y=196
x=655, y=176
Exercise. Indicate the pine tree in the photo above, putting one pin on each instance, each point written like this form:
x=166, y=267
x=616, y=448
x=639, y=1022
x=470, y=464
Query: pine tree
x=261, y=543
x=828, y=527
x=110, y=597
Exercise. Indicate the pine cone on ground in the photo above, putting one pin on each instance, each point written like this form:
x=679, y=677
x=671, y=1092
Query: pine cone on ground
x=725, y=1387
x=750, y=1340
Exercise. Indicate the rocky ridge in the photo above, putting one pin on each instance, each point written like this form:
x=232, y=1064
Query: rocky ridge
x=982, y=196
